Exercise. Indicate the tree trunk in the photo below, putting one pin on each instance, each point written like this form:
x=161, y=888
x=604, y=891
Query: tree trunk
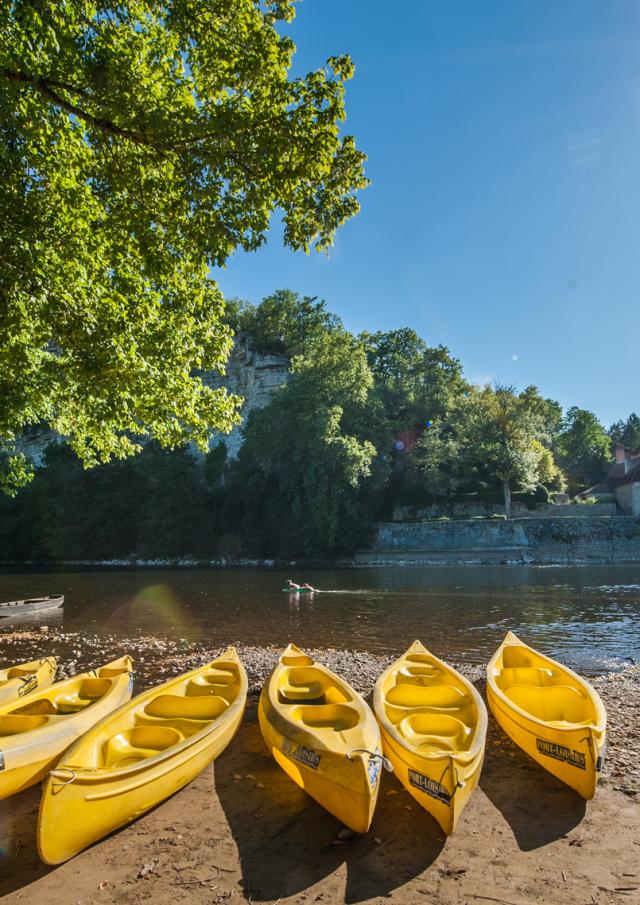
x=506, y=488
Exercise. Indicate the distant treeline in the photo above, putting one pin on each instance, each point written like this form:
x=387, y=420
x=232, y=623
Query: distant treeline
x=364, y=424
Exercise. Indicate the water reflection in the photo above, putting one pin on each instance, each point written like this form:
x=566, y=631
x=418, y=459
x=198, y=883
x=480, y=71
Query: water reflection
x=587, y=616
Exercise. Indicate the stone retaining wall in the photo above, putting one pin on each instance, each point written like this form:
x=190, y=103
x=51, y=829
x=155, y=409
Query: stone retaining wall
x=544, y=540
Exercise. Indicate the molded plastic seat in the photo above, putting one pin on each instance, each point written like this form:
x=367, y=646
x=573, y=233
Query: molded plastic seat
x=515, y=656
x=43, y=707
x=557, y=703
x=136, y=744
x=335, y=717
x=176, y=706
x=526, y=675
x=308, y=684
x=436, y=732
x=13, y=724
x=90, y=691
x=436, y=696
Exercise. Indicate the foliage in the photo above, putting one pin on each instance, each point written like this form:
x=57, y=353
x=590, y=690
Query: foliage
x=414, y=382
x=583, y=447
x=298, y=473
x=283, y=323
x=627, y=432
x=142, y=142
x=492, y=433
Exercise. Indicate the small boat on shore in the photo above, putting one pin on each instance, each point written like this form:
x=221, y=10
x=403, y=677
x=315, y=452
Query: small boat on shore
x=136, y=757
x=324, y=736
x=434, y=726
x=550, y=712
x=35, y=734
x=30, y=605
x=21, y=679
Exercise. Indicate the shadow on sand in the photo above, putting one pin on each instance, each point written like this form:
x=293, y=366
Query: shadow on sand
x=286, y=841
x=19, y=861
x=537, y=806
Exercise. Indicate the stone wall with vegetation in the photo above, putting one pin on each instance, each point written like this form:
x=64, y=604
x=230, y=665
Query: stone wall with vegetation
x=543, y=540
x=628, y=496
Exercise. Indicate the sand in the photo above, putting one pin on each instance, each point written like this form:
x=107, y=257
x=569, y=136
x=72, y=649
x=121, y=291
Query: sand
x=242, y=831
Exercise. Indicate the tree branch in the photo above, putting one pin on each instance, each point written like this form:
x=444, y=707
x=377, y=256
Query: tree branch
x=46, y=88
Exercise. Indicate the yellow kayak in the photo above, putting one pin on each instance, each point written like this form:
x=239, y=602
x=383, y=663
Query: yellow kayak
x=434, y=726
x=23, y=678
x=324, y=736
x=550, y=712
x=140, y=755
x=33, y=735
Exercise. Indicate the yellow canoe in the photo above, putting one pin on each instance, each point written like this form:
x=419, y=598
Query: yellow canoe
x=23, y=678
x=550, y=712
x=34, y=734
x=324, y=736
x=434, y=727
x=138, y=756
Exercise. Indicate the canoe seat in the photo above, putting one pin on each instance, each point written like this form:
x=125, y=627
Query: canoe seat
x=334, y=717
x=516, y=656
x=310, y=685
x=557, y=703
x=435, y=732
x=177, y=706
x=132, y=745
x=90, y=691
x=438, y=696
x=527, y=675
x=43, y=707
x=18, y=671
x=13, y=724
x=219, y=684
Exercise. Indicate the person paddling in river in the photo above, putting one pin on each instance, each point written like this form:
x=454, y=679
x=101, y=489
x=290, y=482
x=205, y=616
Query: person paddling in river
x=292, y=586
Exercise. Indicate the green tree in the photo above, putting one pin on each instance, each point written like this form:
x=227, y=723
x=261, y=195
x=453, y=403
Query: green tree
x=627, y=432
x=141, y=143
x=583, y=446
x=299, y=472
x=283, y=323
x=491, y=432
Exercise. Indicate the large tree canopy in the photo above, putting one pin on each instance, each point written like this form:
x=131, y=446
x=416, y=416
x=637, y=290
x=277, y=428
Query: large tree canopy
x=142, y=142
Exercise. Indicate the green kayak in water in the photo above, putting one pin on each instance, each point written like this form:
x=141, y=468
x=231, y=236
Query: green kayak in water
x=299, y=590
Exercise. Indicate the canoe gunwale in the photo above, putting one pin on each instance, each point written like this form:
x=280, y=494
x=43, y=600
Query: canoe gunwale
x=92, y=775
x=469, y=755
x=293, y=729
x=493, y=688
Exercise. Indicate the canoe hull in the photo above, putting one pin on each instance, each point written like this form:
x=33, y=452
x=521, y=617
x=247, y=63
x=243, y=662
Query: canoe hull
x=442, y=786
x=572, y=756
x=324, y=736
x=27, y=756
x=549, y=711
x=17, y=688
x=342, y=787
x=91, y=810
x=104, y=782
x=26, y=607
x=433, y=724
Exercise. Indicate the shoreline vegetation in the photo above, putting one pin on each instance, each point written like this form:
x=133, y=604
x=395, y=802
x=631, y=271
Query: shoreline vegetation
x=244, y=831
x=340, y=433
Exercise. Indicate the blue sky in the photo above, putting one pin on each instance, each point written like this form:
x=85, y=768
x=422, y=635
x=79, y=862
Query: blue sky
x=503, y=218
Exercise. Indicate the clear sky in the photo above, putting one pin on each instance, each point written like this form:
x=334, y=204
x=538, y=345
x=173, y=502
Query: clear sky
x=503, y=218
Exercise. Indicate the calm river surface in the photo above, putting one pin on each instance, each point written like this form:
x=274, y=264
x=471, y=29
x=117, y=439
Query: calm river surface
x=587, y=616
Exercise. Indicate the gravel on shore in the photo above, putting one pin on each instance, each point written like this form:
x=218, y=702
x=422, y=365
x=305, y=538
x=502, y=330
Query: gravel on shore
x=157, y=660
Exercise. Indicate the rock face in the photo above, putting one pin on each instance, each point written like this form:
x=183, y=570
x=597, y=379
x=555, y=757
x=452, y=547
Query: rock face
x=253, y=376
x=250, y=374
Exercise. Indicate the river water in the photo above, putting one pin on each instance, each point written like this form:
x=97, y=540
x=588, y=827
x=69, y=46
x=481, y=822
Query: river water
x=586, y=616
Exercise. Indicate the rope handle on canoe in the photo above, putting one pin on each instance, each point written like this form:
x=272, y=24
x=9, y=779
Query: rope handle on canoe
x=373, y=755
x=62, y=770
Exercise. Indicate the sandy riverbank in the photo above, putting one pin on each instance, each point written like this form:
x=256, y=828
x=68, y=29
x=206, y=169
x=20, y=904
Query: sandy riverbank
x=243, y=831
